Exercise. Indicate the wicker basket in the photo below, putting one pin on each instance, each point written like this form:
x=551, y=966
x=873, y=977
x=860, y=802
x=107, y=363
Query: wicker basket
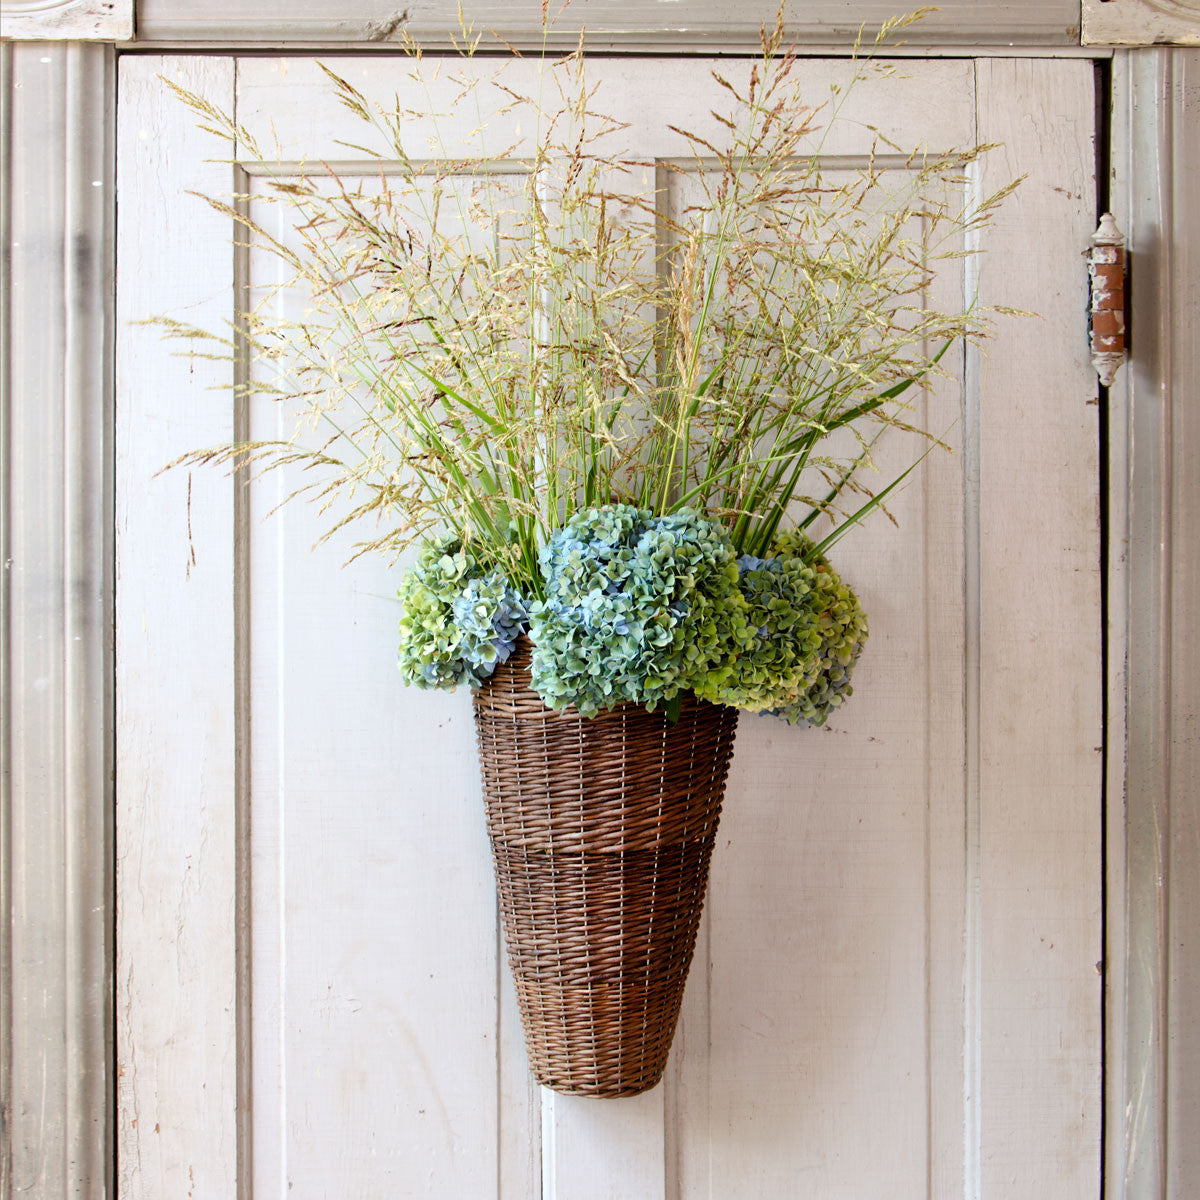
x=601, y=830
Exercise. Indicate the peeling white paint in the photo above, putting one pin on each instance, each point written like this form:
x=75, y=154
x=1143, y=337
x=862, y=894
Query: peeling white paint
x=70, y=20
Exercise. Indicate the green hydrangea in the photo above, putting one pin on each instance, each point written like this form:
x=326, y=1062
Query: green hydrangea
x=456, y=620
x=637, y=608
x=843, y=628
x=782, y=654
x=807, y=630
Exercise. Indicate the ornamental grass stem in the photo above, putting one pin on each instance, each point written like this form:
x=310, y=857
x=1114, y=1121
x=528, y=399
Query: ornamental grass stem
x=501, y=336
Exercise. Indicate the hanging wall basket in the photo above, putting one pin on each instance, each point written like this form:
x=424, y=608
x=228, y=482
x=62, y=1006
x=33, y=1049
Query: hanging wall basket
x=602, y=829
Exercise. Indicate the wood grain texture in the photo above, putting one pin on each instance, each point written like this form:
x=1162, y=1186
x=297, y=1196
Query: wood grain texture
x=1154, y=954
x=56, y=887
x=68, y=20
x=1181, y=72
x=1141, y=22
x=835, y=940
x=669, y=25
x=1040, y=636
x=293, y=96
x=827, y=1047
x=374, y=925
x=175, y=655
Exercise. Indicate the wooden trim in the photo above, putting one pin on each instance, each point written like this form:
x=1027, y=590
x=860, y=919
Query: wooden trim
x=178, y=1035
x=1140, y=23
x=1158, y=702
x=627, y=25
x=56, y=796
x=68, y=20
x=1153, y=949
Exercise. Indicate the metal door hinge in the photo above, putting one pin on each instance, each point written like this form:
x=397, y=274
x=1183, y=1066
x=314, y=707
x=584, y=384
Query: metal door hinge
x=1106, y=311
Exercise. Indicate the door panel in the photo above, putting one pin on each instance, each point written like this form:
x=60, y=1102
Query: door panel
x=894, y=992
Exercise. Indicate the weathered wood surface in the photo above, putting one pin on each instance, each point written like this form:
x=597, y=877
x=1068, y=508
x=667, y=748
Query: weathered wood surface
x=667, y=25
x=1141, y=23
x=56, y=889
x=1040, y=682
x=945, y=827
x=67, y=20
x=380, y=1051
x=1153, y=966
x=176, y=1030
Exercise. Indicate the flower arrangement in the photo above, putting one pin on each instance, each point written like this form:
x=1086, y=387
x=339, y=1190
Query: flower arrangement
x=642, y=608
x=607, y=427
x=622, y=429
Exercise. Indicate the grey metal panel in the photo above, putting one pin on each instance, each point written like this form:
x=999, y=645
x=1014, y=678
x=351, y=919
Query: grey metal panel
x=57, y=631
x=709, y=25
x=1154, y=1100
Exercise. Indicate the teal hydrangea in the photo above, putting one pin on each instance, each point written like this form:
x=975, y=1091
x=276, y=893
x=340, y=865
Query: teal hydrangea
x=457, y=621
x=638, y=608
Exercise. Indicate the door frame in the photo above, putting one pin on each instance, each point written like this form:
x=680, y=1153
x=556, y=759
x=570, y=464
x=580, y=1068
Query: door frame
x=57, y=731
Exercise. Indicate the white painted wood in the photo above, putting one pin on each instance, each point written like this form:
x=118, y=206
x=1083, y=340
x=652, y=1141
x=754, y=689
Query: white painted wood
x=1153, y=956
x=67, y=20
x=594, y=1151
x=668, y=26
x=373, y=917
x=650, y=97
x=840, y=894
x=871, y=1010
x=1182, y=75
x=56, y=885
x=1040, y=653
x=1122, y=1041
x=176, y=1034
x=1141, y=22
x=834, y=941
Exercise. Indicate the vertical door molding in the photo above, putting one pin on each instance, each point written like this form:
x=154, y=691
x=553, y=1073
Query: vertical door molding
x=56, y=731
x=177, y=1015
x=1154, y=818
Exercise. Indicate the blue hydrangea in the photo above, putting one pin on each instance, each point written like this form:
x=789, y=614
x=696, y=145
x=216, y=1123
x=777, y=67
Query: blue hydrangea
x=457, y=621
x=490, y=616
x=638, y=608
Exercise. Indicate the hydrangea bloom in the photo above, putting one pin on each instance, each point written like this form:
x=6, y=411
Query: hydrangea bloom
x=807, y=630
x=843, y=628
x=641, y=608
x=637, y=608
x=456, y=623
x=782, y=657
x=490, y=616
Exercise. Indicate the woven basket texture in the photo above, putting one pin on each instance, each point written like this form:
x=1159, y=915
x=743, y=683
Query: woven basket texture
x=602, y=830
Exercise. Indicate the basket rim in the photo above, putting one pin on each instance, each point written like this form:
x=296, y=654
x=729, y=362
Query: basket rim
x=523, y=647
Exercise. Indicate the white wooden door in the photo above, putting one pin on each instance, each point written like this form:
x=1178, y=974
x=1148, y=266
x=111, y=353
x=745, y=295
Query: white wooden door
x=896, y=992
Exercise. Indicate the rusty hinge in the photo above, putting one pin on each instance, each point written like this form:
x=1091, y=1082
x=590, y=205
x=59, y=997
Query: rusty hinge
x=1106, y=267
